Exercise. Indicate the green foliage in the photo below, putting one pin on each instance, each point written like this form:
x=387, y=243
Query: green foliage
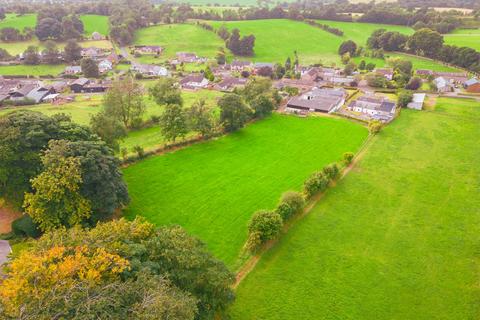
x=124, y=102
x=23, y=136
x=173, y=122
x=31, y=56
x=234, y=112
x=374, y=126
x=291, y=203
x=349, y=47
x=201, y=118
x=89, y=68
x=404, y=98
x=262, y=106
x=24, y=226
x=56, y=200
x=348, y=157
x=72, y=51
x=166, y=91
x=109, y=128
x=263, y=226
x=331, y=171
x=426, y=42
x=317, y=182
x=376, y=81
x=139, y=151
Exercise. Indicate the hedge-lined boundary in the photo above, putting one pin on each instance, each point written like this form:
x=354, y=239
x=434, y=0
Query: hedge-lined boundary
x=266, y=225
x=325, y=27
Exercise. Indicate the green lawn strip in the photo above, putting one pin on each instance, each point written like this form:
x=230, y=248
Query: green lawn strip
x=15, y=48
x=179, y=38
x=396, y=239
x=213, y=188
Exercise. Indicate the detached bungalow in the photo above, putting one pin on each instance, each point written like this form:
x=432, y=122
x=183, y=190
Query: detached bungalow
x=230, y=83
x=149, y=49
x=318, y=100
x=72, y=70
x=150, y=70
x=194, y=82
x=376, y=107
x=105, y=66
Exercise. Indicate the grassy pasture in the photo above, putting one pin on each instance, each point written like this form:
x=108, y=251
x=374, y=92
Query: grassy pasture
x=396, y=239
x=180, y=37
x=464, y=38
x=38, y=70
x=15, y=48
x=213, y=188
x=93, y=22
x=18, y=22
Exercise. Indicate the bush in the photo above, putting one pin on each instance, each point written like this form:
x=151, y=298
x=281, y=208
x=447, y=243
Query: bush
x=25, y=226
x=290, y=204
x=348, y=157
x=331, y=171
x=374, y=127
x=317, y=182
x=139, y=150
x=264, y=226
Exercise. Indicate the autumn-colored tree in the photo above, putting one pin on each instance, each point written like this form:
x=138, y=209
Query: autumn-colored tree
x=52, y=276
x=56, y=200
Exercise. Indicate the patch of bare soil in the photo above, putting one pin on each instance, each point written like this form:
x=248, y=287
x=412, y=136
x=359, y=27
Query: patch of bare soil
x=7, y=216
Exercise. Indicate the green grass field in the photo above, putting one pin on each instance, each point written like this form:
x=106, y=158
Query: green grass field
x=180, y=37
x=213, y=188
x=38, y=70
x=93, y=22
x=15, y=48
x=464, y=38
x=18, y=22
x=418, y=62
x=360, y=32
x=396, y=239
x=278, y=39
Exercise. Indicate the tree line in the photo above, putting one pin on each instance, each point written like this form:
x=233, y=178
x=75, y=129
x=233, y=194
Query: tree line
x=427, y=43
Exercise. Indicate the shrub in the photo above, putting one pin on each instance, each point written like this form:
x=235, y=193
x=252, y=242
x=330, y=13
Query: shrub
x=290, y=204
x=264, y=226
x=139, y=150
x=317, y=182
x=374, y=127
x=25, y=226
x=348, y=157
x=331, y=171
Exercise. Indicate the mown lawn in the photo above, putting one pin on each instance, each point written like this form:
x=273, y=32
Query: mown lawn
x=396, y=239
x=94, y=22
x=180, y=37
x=213, y=188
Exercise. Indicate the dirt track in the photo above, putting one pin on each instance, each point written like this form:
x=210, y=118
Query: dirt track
x=6, y=217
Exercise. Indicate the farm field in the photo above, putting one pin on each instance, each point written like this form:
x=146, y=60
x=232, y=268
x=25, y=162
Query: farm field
x=18, y=22
x=193, y=39
x=464, y=38
x=212, y=189
x=396, y=239
x=93, y=22
x=360, y=32
x=313, y=45
x=15, y=48
x=37, y=70
x=418, y=62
